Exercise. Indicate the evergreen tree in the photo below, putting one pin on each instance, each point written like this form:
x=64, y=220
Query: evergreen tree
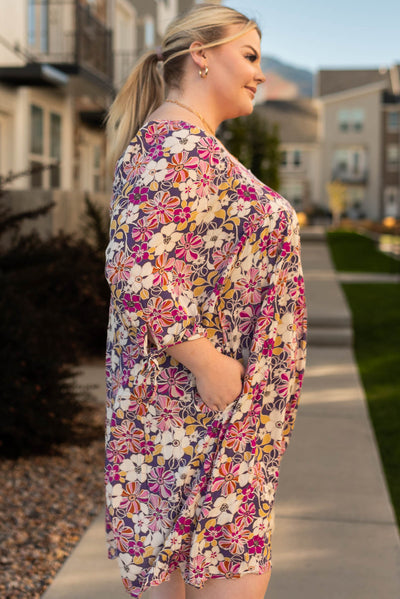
x=256, y=144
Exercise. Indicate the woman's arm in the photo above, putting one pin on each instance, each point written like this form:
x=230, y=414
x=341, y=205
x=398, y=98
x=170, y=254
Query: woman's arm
x=218, y=377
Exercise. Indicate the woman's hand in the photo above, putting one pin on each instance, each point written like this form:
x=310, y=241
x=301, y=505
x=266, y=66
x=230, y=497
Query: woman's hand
x=218, y=377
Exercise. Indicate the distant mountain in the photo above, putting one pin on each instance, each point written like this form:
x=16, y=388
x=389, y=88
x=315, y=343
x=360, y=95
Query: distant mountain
x=302, y=78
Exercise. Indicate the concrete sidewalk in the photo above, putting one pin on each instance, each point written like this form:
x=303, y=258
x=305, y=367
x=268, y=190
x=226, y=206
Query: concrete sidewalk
x=335, y=533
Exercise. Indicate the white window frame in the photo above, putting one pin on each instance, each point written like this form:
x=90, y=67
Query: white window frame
x=45, y=158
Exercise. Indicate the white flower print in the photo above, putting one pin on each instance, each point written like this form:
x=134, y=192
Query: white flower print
x=141, y=277
x=275, y=425
x=155, y=171
x=174, y=443
x=165, y=240
x=180, y=141
x=225, y=508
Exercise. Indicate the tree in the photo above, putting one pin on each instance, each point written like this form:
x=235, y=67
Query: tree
x=256, y=144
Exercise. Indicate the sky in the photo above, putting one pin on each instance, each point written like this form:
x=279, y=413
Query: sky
x=316, y=34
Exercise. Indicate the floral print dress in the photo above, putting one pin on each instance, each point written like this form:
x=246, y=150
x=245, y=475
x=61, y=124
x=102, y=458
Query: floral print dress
x=198, y=247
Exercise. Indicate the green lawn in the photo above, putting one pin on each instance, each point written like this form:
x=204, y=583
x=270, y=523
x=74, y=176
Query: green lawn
x=376, y=320
x=353, y=252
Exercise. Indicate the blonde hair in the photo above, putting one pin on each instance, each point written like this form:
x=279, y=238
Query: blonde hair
x=144, y=89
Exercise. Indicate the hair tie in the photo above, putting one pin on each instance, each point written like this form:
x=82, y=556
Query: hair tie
x=159, y=53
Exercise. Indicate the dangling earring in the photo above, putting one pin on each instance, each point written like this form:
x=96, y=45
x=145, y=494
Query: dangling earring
x=203, y=75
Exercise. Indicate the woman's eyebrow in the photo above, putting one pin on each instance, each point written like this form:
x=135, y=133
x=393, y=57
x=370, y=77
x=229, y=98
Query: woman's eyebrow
x=251, y=48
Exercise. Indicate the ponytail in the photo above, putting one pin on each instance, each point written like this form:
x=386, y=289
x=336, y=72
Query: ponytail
x=144, y=89
x=140, y=95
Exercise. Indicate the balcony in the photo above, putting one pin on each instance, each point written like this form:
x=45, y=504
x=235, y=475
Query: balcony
x=350, y=177
x=68, y=36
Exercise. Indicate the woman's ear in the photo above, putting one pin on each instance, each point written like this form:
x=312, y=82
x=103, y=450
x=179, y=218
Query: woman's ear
x=198, y=55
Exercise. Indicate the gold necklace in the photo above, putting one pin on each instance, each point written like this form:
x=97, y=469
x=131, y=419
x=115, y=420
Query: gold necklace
x=203, y=120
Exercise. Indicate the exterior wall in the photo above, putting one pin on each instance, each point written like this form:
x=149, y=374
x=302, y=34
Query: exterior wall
x=368, y=139
x=299, y=183
x=124, y=25
x=13, y=19
x=390, y=190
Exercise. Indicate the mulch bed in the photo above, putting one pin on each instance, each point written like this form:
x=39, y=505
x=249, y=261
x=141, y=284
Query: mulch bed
x=46, y=503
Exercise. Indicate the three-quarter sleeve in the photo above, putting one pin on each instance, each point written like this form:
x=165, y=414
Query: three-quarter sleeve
x=160, y=191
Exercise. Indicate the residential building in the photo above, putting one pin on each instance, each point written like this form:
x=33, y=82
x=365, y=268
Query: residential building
x=360, y=134
x=61, y=63
x=298, y=132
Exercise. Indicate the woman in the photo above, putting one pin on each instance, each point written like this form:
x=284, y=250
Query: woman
x=206, y=339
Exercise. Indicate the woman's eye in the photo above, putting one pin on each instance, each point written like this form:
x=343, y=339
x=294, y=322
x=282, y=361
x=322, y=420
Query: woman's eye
x=251, y=57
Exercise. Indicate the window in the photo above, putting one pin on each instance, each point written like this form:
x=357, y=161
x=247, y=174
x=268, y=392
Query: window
x=55, y=148
x=36, y=130
x=393, y=121
x=392, y=156
x=38, y=25
x=149, y=34
x=297, y=158
x=284, y=158
x=351, y=119
x=45, y=148
x=344, y=120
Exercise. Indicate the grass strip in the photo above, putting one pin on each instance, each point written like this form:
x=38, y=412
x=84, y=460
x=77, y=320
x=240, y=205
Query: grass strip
x=352, y=252
x=376, y=321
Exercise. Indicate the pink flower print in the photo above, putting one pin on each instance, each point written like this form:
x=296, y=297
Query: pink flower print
x=127, y=437
x=130, y=354
x=222, y=257
x=227, y=478
x=183, y=525
x=273, y=241
x=156, y=152
x=132, y=496
x=140, y=252
x=252, y=224
x=161, y=268
x=212, y=534
x=138, y=195
x=112, y=473
x=114, y=453
x=253, y=414
x=250, y=287
x=246, y=192
x=143, y=230
x=162, y=207
x=135, y=166
x=283, y=386
x=229, y=569
x=131, y=302
x=172, y=382
x=160, y=481
x=137, y=548
x=178, y=168
x=138, y=400
x=158, y=513
x=286, y=249
x=156, y=133
x=168, y=412
x=282, y=282
x=182, y=214
x=238, y=435
x=188, y=246
x=248, y=319
x=258, y=479
x=119, y=267
x=181, y=277
x=197, y=572
x=158, y=314
x=179, y=314
x=247, y=513
x=122, y=534
x=147, y=446
x=248, y=494
x=234, y=538
x=204, y=180
x=255, y=545
x=208, y=150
